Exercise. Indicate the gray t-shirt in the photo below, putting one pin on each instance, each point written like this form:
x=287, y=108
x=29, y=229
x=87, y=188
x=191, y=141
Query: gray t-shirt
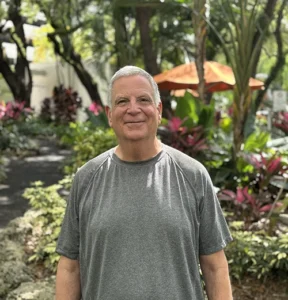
x=138, y=228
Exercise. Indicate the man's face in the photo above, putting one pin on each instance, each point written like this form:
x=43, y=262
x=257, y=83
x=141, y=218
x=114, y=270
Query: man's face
x=134, y=115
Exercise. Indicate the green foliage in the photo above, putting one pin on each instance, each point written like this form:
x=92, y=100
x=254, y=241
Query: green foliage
x=193, y=112
x=99, y=120
x=17, y=136
x=257, y=141
x=12, y=140
x=87, y=142
x=258, y=255
x=2, y=169
x=46, y=228
x=35, y=127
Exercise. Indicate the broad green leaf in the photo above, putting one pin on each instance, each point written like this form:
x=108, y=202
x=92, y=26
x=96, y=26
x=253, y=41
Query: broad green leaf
x=188, y=109
x=257, y=141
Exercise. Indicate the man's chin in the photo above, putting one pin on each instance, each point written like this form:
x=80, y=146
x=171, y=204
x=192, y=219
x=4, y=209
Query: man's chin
x=134, y=137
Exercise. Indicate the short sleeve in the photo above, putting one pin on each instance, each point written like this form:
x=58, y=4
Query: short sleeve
x=214, y=233
x=68, y=241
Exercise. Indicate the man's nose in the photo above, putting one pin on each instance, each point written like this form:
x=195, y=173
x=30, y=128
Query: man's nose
x=133, y=106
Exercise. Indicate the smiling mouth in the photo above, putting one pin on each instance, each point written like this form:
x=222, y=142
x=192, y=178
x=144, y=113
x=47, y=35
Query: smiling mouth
x=134, y=122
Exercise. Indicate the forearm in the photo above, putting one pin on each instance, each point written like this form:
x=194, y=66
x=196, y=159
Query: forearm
x=216, y=276
x=217, y=284
x=68, y=282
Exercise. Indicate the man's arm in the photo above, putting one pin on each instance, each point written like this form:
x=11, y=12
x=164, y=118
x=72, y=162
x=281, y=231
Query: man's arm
x=216, y=276
x=68, y=279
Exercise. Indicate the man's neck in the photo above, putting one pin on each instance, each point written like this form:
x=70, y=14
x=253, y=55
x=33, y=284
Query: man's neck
x=138, y=150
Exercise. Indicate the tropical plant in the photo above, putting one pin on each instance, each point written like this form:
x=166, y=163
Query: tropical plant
x=247, y=28
x=191, y=141
x=259, y=188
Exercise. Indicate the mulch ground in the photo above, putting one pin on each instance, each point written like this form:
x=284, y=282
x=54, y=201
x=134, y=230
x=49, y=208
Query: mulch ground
x=253, y=289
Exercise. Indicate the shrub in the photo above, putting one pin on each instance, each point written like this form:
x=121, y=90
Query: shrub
x=47, y=225
x=12, y=140
x=258, y=255
x=87, y=142
x=17, y=126
x=2, y=169
x=35, y=127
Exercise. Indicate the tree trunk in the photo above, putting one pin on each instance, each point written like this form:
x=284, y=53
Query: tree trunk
x=239, y=119
x=200, y=31
x=68, y=54
x=264, y=21
x=122, y=45
x=143, y=15
x=18, y=82
x=15, y=84
x=280, y=61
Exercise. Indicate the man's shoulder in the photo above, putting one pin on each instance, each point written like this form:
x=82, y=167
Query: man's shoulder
x=93, y=164
x=185, y=162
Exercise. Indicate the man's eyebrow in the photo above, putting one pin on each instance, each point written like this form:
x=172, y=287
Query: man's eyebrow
x=145, y=96
x=120, y=98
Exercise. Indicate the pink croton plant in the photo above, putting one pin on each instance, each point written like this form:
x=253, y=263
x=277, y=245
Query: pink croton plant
x=258, y=195
x=13, y=110
x=189, y=140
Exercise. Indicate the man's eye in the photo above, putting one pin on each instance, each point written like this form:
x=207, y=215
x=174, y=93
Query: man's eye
x=121, y=101
x=144, y=100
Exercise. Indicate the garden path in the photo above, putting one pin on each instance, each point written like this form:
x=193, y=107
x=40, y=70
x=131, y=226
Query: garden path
x=21, y=172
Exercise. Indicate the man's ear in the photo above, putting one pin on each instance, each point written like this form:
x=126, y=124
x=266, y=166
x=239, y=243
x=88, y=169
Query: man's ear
x=108, y=114
x=160, y=108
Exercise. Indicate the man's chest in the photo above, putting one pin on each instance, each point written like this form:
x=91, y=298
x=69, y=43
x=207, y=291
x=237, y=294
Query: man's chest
x=139, y=204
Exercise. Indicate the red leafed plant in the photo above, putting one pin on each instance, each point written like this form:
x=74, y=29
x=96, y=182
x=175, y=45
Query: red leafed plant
x=257, y=193
x=62, y=107
x=188, y=140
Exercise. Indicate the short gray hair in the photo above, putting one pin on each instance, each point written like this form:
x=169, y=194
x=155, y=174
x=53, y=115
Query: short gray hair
x=132, y=71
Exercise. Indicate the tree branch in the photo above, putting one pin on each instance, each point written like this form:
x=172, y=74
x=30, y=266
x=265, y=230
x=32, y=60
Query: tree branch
x=281, y=58
x=264, y=21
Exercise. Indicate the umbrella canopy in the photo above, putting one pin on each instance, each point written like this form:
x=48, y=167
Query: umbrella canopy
x=218, y=77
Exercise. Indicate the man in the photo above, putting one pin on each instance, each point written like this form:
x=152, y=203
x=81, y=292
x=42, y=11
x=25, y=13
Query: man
x=141, y=216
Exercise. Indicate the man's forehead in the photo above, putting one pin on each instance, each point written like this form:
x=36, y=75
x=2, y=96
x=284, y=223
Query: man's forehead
x=131, y=85
x=126, y=80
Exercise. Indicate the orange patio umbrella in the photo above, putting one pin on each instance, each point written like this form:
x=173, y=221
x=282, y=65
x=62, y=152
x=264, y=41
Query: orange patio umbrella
x=218, y=77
